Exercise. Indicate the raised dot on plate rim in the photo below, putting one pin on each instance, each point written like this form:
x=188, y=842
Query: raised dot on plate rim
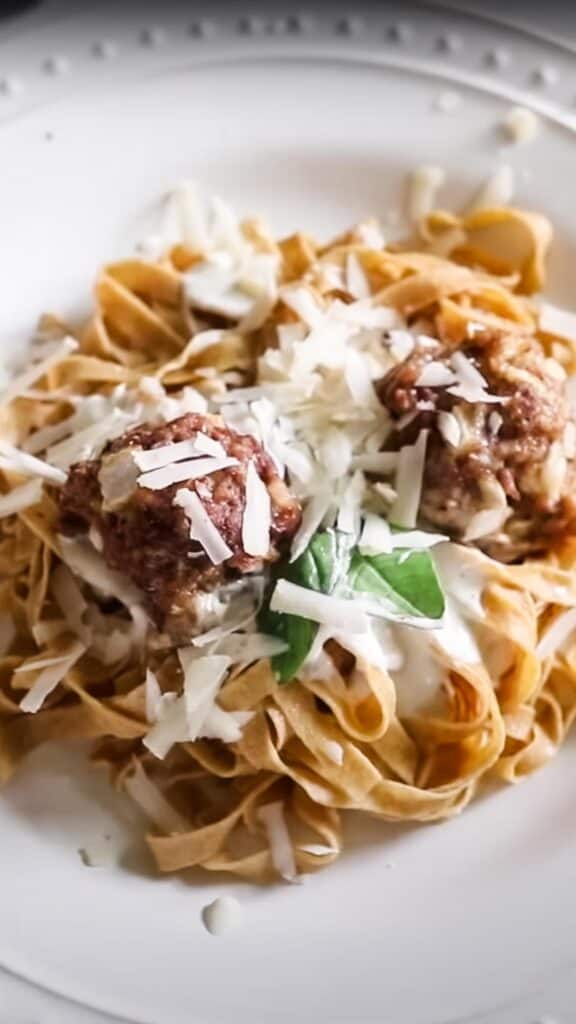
x=201, y=28
x=401, y=32
x=299, y=23
x=545, y=76
x=497, y=58
x=104, y=49
x=10, y=87
x=56, y=65
x=447, y=102
x=250, y=24
x=349, y=25
x=449, y=42
x=152, y=35
x=276, y=26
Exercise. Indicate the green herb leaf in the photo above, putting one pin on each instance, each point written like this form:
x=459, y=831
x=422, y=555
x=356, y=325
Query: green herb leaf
x=320, y=567
x=405, y=581
x=299, y=635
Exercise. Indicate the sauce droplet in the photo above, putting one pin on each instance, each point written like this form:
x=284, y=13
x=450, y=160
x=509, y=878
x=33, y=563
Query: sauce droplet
x=223, y=915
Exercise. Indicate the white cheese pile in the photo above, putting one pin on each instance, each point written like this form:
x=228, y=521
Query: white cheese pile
x=194, y=714
x=98, y=419
x=234, y=278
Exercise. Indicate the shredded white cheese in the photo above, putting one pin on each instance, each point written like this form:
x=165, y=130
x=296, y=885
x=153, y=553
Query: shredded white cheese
x=281, y=849
x=54, y=671
x=409, y=478
x=350, y=502
x=557, y=634
x=89, y=565
x=88, y=442
x=257, y=517
x=20, y=498
x=153, y=695
x=376, y=536
x=491, y=518
x=206, y=445
x=495, y=421
x=153, y=803
x=312, y=517
x=435, y=375
x=202, y=680
x=318, y=849
x=15, y=461
x=178, y=451
x=416, y=539
x=244, y=648
x=376, y=462
x=170, y=728
x=324, y=608
x=195, y=713
x=471, y=385
x=56, y=354
x=202, y=528
x=194, y=469
x=402, y=344
x=356, y=280
x=449, y=427
x=223, y=725
x=118, y=478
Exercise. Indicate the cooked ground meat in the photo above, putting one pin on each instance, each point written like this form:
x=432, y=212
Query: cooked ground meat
x=147, y=537
x=519, y=451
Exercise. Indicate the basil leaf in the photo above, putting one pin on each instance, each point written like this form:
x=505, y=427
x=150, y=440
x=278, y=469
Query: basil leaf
x=405, y=580
x=330, y=552
x=299, y=634
x=320, y=567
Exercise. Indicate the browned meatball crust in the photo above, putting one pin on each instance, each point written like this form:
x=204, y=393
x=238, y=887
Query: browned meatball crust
x=523, y=444
x=148, y=537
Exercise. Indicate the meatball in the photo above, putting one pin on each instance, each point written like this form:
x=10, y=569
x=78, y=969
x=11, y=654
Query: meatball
x=146, y=535
x=515, y=455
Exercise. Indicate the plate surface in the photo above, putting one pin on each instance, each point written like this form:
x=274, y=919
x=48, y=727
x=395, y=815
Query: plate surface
x=311, y=125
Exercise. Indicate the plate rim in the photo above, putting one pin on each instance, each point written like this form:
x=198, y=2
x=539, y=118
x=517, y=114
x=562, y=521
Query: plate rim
x=324, y=49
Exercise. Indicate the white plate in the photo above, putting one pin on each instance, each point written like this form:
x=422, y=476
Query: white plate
x=313, y=125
